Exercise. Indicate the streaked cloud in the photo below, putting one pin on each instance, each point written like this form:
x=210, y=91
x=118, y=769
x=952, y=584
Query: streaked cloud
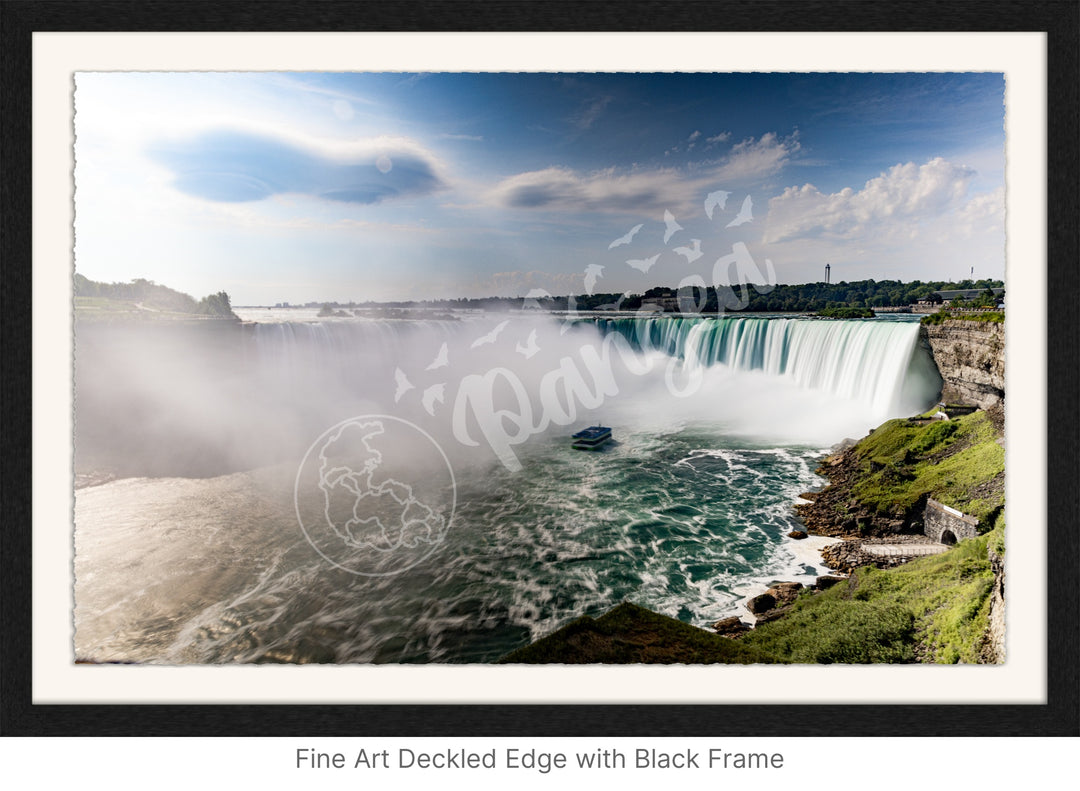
x=473, y=138
x=236, y=165
x=591, y=112
x=562, y=189
x=643, y=191
x=757, y=158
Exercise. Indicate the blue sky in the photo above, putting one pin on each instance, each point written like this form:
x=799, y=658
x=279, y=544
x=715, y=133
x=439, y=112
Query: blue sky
x=299, y=187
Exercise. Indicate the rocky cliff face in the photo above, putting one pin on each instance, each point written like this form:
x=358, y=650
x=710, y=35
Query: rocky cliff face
x=993, y=651
x=971, y=358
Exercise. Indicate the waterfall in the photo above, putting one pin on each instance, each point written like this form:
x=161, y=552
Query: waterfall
x=871, y=369
x=865, y=361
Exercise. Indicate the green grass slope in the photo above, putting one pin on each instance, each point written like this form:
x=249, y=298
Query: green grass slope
x=957, y=462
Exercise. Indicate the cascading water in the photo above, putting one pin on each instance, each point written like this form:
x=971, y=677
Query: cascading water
x=686, y=514
x=866, y=361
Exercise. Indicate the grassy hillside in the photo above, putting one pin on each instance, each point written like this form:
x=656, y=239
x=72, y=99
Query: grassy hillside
x=957, y=462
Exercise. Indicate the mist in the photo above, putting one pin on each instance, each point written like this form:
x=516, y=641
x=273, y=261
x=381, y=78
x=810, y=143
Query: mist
x=208, y=398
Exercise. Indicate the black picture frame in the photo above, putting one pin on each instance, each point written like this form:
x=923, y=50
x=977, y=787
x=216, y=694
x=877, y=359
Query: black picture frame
x=1059, y=716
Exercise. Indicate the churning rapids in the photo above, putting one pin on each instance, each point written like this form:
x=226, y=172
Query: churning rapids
x=193, y=551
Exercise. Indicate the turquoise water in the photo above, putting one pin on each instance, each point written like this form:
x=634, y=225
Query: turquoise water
x=678, y=522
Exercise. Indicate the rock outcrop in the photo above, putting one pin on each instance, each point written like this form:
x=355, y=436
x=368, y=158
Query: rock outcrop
x=731, y=627
x=993, y=651
x=775, y=602
x=834, y=511
x=970, y=355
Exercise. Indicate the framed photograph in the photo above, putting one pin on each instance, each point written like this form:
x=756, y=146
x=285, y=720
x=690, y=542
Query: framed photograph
x=518, y=372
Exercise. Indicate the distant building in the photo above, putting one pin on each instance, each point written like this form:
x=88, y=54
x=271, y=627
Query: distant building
x=939, y=299
x=927, y=306
x=964, y=293
x=660, y=304
x=687, y=303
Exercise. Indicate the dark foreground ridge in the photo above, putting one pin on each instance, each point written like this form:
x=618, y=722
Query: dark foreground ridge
x=630, y=634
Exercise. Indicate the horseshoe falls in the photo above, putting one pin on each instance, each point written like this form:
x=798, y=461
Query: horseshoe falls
x=872, y=363
x=719, y=425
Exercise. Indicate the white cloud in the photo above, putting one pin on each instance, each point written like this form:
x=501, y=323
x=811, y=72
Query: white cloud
x=693, y=136
x=911, y=221
x=982, y=213
x=755, y=159
x=723, y=137
x=893, y=203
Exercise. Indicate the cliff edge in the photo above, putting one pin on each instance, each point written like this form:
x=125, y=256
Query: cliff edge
x=970, y=356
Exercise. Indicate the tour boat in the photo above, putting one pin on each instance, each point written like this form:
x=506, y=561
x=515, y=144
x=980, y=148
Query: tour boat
x=591, y=438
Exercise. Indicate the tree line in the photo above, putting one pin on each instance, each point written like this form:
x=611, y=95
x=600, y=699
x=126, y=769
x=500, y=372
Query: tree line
x=155, y=296
x=796, y=298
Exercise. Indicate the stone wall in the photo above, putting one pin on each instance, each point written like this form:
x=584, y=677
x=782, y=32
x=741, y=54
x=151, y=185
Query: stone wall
x=970, y=355
x=939, y=521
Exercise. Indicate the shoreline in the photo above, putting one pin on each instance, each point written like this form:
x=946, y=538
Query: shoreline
x=808, y=551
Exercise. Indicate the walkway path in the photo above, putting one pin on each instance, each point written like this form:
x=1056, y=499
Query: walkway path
x=904, y=550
